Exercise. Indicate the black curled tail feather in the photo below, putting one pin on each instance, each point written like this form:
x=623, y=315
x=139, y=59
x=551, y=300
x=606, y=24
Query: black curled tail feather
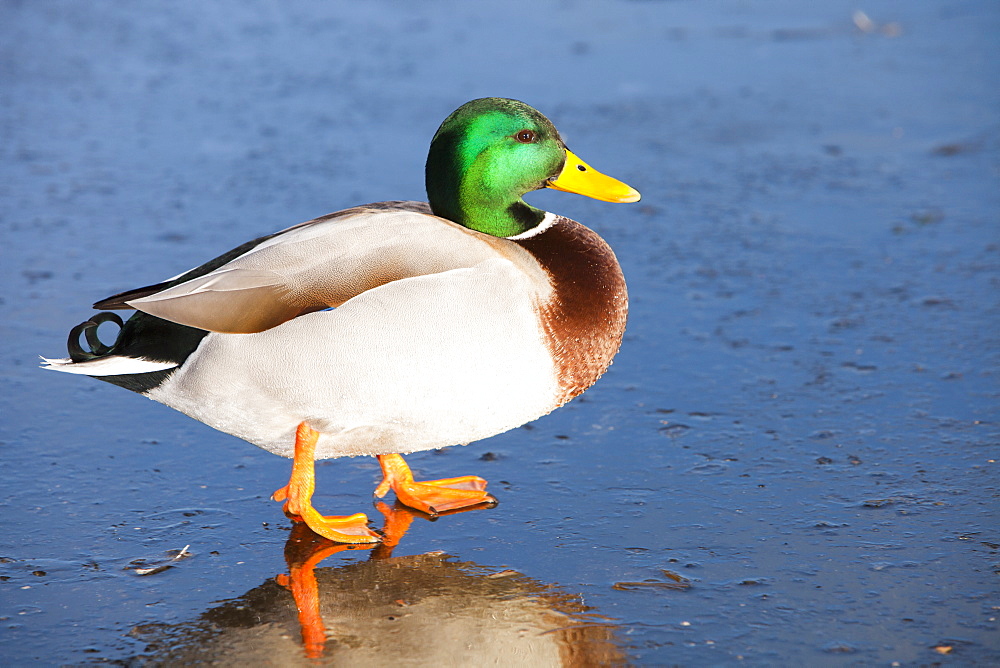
x=89, y=330
x=142, y=337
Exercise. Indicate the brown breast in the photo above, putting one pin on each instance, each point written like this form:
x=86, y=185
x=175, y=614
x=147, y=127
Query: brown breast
x=585, y=318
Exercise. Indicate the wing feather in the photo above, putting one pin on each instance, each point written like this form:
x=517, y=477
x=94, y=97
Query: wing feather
x=318, y=265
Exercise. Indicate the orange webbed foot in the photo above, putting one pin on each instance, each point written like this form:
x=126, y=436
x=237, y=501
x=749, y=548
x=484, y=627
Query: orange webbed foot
x=297, y=495
x=339, y=528
x=430, y=496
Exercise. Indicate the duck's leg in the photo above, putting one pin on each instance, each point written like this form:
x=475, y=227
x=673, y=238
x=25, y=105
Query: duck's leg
x=430, y=496
x=297, y=495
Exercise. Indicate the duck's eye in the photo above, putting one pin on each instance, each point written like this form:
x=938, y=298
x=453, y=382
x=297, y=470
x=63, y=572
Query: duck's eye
x=526, y=136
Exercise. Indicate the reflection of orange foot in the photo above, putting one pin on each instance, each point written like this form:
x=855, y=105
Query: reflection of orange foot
x=430, y=496
x=303, y=551
x=302, y=583
x=397, y=522
x=297, y=495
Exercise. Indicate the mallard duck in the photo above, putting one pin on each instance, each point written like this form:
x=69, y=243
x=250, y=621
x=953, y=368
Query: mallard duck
x=388, y=328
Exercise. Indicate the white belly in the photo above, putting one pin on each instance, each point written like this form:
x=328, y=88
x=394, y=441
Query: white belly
x=412, y=365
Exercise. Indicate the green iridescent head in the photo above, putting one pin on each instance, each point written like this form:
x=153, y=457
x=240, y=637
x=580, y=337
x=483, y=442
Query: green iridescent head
x=489, y=152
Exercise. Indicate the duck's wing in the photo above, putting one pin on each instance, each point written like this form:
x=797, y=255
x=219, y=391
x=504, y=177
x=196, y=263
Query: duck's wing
x=314, y=266
x=120, y=300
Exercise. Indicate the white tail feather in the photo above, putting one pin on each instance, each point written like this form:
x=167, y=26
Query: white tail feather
x=112, y=365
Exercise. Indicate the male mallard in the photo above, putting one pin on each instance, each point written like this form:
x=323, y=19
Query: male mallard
x=391, y=327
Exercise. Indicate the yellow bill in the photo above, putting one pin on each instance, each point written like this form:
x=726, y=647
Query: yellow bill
x=580, y=178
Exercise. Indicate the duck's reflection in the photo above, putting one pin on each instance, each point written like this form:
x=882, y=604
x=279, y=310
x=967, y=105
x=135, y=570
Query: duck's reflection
x=427, y=609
